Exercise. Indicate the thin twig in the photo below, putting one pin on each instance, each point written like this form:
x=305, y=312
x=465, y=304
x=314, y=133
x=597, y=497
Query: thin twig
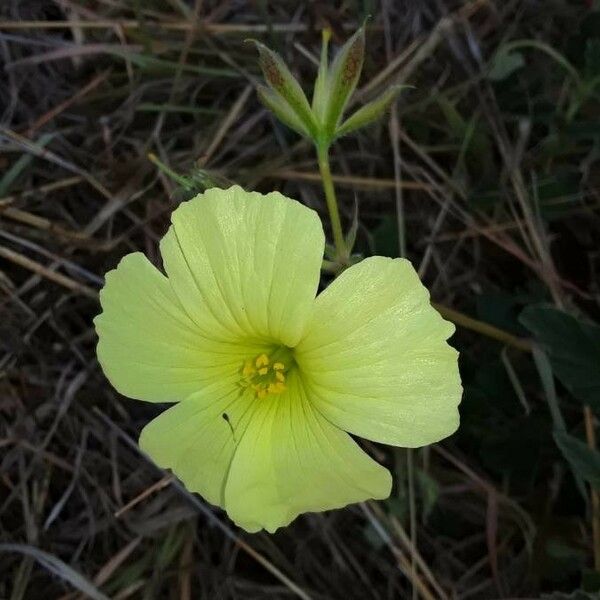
x=43, y=271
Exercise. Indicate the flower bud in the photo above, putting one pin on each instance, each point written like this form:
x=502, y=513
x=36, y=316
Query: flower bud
x=281, y=109
x=369, y=112
x=286, y=91
x=342, y=79
x=319, y=101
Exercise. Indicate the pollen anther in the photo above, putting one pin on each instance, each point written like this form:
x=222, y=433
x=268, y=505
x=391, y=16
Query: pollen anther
x=264, y=376
x=261, y=361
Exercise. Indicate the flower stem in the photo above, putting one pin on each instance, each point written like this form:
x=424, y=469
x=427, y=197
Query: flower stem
x=343, y=255
x=180, y=179
x=332, y=206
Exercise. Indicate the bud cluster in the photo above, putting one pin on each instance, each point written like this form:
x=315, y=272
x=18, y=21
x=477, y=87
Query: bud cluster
x=322, y=120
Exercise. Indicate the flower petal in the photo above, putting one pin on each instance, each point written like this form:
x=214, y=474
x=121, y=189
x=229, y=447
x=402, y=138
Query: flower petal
x=148, y=346
x=196, y=438
x=375, y=356
x=245, y=265
x=291, y=460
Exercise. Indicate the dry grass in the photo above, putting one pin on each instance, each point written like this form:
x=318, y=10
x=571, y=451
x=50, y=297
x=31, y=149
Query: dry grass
x=88, y=90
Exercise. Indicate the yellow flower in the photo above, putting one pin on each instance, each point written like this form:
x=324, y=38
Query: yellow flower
x=268, y=378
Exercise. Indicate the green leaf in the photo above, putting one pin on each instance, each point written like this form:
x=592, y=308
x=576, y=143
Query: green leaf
x=546, y=376
x=284, y=85
x=182, y=180
x=385, y=237
x=13, y=173
x=455, y=120
x=151, y=63
x=505, y=64
x=176, y=108
x=342, y=79
x=369, y=112
x=573, y=347
x=168, y=550
x=584, y=461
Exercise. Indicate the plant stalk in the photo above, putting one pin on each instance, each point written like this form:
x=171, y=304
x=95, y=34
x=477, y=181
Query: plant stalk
x=486, y=329
x=342, y=253
x=342, y=256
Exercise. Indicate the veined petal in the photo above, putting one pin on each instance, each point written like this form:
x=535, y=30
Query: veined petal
x=375, y=356
x=245, y=264
x=291, y=460
x=196, y=438
x=148, y=346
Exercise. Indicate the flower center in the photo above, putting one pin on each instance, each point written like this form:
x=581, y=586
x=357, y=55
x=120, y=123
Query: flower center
x=265, y=375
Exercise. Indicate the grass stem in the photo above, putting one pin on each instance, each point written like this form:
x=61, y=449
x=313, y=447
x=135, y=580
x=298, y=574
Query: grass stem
x=486, y=329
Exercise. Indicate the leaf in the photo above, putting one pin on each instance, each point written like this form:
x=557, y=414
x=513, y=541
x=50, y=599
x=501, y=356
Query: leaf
x=167, y=551
x=13, y=173
x=455, y=120
x=385, y=237
x=573, y=347
x=151, y=63
x=584, y=461
x=505, y=64
x=502, y=310
x=369, y=112
x=545, y=372
x=176, y=108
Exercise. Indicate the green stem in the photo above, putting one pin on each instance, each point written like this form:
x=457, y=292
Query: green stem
x=332, y=206
x=342, y=256
x=180, y=179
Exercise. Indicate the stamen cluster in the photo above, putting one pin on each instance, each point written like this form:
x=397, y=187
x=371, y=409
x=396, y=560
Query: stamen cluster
x=264, y=376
